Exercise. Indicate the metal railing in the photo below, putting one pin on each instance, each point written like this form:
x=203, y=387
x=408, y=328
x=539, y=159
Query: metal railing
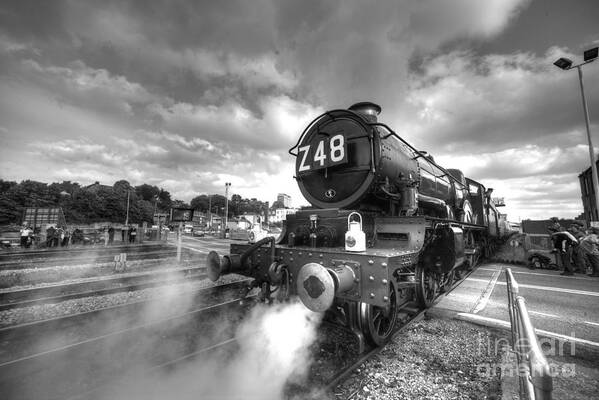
x=533, y=370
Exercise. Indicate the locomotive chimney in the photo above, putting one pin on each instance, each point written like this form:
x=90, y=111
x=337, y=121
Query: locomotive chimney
x=367, y=109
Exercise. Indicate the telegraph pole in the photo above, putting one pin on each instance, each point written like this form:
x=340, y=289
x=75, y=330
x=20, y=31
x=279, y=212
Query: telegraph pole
x=227, y=185
x=210, y=211
x=127, y=218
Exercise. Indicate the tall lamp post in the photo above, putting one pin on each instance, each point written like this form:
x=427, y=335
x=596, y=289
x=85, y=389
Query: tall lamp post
x=127, y=217
x=566, y=64
x=227, y=185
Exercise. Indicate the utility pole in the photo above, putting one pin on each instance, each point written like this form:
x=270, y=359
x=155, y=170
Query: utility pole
x=227, y=185
x=127, y=218
x=210, y=211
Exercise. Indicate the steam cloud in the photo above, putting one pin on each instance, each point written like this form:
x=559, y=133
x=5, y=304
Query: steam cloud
x=274, y=349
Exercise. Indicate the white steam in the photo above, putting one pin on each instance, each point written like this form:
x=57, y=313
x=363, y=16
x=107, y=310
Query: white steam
x=273, y=350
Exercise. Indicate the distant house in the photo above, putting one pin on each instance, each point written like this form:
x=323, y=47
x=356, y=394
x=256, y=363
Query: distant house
x=239, y=223
x=539, y=234
x=280, y=214
x=94, y=187
x=539, y=227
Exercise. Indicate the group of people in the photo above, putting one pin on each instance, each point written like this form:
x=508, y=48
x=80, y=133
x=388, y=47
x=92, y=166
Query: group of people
x=57, y=236
x=128, y=233
x=578, y=249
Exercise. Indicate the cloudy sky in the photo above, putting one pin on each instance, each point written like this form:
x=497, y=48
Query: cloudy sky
x=188, y=95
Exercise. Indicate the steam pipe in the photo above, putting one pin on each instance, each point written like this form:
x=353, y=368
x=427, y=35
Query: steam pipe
x=433, y=201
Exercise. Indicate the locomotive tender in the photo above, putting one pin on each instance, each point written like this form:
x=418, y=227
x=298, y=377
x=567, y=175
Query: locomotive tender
x=388, y=226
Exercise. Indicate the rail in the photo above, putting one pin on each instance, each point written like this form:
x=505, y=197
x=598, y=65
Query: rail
x=534, y=374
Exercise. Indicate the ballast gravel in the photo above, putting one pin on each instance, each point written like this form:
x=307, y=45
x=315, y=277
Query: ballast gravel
x=433, y=359
x=85, y=304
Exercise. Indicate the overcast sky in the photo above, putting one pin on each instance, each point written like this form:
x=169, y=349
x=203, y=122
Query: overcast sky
x=188, y=95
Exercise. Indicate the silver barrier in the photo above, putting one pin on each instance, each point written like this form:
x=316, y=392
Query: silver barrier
x=534, y=373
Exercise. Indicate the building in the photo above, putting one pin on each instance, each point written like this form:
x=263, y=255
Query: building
x=94, y=187
x=588, y=195
x=538, y=233
x=284, y=199
x=280, y=214
x=42, y=217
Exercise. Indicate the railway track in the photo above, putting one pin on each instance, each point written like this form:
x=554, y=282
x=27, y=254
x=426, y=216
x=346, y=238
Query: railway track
x=97, y=287
x=68, y=356
x=74, y=250
x=94, y=259
x=336, y=378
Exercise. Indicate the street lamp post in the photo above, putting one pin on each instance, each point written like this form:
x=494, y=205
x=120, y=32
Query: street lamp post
x=566, y=64
x=127, y=217
x=227, y=185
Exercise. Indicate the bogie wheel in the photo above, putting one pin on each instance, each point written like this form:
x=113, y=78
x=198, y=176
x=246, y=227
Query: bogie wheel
x=378, y=323
x=427, y=286
x=535, y=263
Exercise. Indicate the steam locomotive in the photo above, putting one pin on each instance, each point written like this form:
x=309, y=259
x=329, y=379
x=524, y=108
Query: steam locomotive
x=388, y=226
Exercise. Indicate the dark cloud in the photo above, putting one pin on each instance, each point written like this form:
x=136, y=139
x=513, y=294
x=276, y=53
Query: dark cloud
x=192, y=94
x=497, y=102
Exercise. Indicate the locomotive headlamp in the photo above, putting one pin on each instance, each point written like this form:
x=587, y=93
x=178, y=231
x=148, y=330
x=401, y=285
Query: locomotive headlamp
x=355, y=239
x=350, y=241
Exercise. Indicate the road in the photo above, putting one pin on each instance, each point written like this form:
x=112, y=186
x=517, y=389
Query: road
x=564, y=305
x=203, y=244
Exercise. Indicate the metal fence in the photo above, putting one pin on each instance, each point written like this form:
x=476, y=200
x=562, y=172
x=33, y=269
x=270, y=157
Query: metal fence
x=534, y=372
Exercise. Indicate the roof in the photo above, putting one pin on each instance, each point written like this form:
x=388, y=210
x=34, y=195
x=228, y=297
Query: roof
x=38, y=216
x=95, y=186
x=539, y=227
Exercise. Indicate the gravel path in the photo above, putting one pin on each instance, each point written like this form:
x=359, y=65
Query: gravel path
x=434, y=359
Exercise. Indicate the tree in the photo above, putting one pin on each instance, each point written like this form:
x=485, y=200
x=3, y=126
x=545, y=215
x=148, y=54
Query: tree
x=200, y=203
x=121, y=186
x=147, y=192
x=277, y=204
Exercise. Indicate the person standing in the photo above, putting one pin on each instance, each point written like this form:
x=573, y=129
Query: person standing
x=50, y=232
x=132, y=234
x=59, y=237
x=589, y=247
x=563, y=242
x=66, y=238
x=25, y=235
x=577, y=255
x=105, y=236
x=110, y=235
